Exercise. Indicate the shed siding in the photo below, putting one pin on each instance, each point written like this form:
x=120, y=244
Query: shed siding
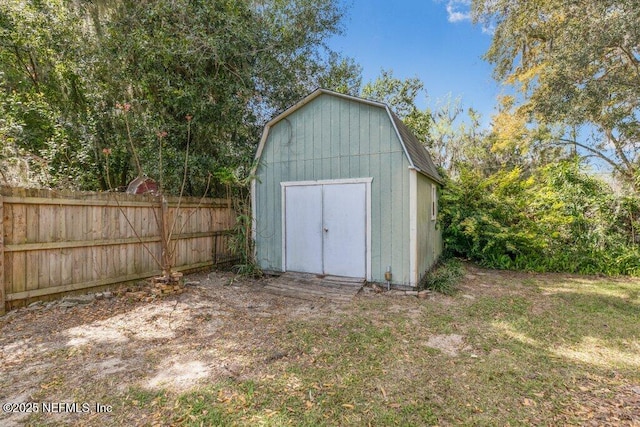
x=429, y=238
x=336, y=138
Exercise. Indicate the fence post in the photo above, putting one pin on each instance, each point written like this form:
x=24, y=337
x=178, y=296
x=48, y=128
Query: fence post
x=165, y=233
x=2, y=290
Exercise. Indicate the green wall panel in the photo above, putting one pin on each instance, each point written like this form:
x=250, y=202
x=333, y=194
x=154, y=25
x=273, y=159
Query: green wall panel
x=429, y=238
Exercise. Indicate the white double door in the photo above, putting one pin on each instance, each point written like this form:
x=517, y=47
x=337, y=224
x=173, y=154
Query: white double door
x=325, y=228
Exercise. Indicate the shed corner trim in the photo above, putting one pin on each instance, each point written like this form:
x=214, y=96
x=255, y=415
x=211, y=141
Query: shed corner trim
x=413, y=227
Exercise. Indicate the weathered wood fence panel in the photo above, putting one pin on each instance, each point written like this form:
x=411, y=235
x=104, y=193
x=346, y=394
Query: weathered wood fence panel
x=53, y=242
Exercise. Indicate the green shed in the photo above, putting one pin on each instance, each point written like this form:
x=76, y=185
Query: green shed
x=343, y=188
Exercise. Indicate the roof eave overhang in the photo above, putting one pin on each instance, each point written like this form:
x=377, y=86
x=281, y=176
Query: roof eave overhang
x=428, y=175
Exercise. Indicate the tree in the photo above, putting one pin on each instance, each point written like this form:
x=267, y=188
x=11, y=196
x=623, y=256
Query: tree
x=230, y=65
x=401, y=96
x=575, y=63
x=343, y=75
x=398, y=94
x=41, y=90
x=449, y=136
x=456, y=138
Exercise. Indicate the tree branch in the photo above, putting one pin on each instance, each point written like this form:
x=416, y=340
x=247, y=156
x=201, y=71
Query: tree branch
x=632, y=59
x=619, y=151
x=31, y=75
x=616, y=166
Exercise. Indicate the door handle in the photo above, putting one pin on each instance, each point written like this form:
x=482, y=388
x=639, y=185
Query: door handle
x=326, y=229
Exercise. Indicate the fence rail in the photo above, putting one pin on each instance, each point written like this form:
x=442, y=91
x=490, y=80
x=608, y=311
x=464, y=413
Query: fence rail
x=54, y=242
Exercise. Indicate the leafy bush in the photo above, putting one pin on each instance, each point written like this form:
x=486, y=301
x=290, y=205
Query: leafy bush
x=241, y=242
x=556, y=218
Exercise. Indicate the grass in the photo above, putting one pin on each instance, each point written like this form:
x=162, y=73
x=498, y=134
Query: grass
x=443, y=277
x=540, y=352
x=505, y=349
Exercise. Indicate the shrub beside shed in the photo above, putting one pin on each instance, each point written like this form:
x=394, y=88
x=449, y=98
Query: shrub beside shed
x=342, y=187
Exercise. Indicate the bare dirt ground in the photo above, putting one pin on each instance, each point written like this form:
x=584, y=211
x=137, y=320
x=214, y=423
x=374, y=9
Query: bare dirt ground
x=219, y=328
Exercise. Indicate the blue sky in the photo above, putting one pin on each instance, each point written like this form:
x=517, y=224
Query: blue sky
x=433, y=40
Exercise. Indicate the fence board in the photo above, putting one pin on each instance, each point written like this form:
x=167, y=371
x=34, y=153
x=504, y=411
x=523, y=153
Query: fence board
x=55, y=242
x=2, y=283
x=31, y=270
x=19, y=229
x=66, y=266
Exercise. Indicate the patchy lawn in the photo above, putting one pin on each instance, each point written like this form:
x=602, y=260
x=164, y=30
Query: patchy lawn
x=507, y=349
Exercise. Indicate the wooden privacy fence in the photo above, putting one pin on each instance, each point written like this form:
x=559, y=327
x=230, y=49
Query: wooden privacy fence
x=54, y=242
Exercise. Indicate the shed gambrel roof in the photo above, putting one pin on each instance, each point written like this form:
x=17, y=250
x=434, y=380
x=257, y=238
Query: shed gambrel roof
x=416, y=153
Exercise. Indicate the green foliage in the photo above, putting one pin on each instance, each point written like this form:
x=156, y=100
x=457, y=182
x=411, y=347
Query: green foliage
x=443, y=277
x=512, y=201
x=41, y=95
x=242, y=245
x=228, y=65
x=343, y=76
x=241, y=242
x=556, y=218
x=573, y=63
x=402, y=96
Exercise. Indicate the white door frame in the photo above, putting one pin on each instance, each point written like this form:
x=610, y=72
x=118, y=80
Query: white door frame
x=366, y=181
